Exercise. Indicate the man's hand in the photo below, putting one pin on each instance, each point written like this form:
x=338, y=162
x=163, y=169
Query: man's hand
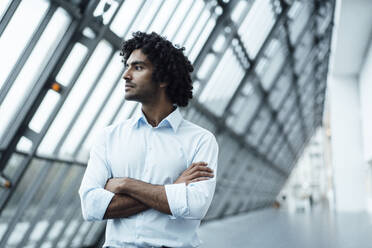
x=196, y=172
x=114, y=185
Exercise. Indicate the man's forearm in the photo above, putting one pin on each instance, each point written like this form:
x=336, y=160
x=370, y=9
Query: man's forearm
x=123, y=206
x=150, y=195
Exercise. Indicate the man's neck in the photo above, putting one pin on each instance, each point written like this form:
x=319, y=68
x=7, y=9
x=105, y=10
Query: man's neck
x=156, y=112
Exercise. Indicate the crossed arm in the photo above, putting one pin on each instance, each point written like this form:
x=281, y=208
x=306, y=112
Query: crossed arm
x=134, y=196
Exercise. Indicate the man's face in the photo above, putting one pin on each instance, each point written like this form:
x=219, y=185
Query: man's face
x=138, y=78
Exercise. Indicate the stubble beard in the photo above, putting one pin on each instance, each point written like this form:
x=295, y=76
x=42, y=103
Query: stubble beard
x=144, y=95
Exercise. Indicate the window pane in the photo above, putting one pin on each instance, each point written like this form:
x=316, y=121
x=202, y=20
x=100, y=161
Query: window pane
x=223, y=83
x=272, y=62
x=165, y=12
x=125, y=16
x=175, y=22
x=142, y=20
x=71, y=64
x=45, y=109
x=24, y=144
x=257, y=25
x=188, y=24
x=75, y=98
x=243, y=108
x=197, y=28
x=206, y=28
x=12, y=42
x=109, y=78
x=103, y=120
x=33, y=67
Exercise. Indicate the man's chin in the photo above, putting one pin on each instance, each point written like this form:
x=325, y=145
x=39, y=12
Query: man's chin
x=129, y=97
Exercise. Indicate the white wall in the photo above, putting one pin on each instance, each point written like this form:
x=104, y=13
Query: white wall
x=350, y=105
x=350, y=172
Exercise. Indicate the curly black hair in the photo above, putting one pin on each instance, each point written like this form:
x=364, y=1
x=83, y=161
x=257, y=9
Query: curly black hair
x=170, y=64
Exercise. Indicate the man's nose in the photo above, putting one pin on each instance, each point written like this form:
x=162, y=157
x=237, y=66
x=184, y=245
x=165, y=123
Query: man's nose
x=127, y=75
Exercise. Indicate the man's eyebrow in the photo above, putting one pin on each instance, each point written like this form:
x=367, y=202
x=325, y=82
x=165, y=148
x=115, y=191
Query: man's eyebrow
x=137, y=62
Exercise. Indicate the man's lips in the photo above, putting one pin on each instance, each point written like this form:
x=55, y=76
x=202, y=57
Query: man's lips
x=129, y=85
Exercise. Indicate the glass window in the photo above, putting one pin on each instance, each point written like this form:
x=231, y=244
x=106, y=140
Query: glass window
x=221, y=86
x=71, y=64
x=303, y=49
x=280, y=89
x=95, y=101
x=24, y=144
x=277, y=142
x=271, y=64
x=165, y=12
x=220, y=42
x=269, y=137
x=239, y=10
x=324, y=19
x=75, y=97
x=45, y=109
x=148, y=16
x=188, y=24
x=12, y=42
x=287, y=107
x=257, y=25
x=301, y=14
x=244, y=108
x=33, y=67
x=196, y=48
x=259, y=126
x=106, y=117
x=125, y=16
x=206, y=66
x=177, y=19
x=198, y=29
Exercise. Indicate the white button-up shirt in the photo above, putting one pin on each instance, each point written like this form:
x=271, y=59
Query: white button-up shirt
x=157, y=155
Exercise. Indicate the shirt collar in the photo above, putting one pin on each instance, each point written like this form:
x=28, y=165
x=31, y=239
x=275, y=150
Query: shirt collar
x=173, y=120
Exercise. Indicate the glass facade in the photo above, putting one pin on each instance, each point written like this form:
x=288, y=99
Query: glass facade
x=259, y=85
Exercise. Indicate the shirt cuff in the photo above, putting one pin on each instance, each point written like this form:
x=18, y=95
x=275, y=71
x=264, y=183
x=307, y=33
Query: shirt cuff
x=101, y=198
x=177, y=199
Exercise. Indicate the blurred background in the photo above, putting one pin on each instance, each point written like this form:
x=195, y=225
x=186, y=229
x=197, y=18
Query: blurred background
x=285, y=85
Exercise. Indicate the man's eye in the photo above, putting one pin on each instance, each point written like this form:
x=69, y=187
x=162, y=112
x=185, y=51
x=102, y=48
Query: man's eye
x=139, y=67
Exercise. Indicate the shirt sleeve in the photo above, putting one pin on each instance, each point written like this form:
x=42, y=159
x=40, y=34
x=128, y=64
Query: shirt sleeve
x=94, y=198
x=192, y=201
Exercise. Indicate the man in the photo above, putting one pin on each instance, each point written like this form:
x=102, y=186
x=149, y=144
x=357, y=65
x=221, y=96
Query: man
x=152, y=176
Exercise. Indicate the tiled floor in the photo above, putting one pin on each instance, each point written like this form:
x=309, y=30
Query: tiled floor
x=272, y=228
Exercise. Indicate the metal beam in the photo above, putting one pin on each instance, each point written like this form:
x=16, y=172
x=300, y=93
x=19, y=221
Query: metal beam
x=8, y=15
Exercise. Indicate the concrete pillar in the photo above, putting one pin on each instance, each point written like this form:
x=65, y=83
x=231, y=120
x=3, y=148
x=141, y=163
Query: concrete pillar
x=365, y=82
x=349, y=167
x=366, y=105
